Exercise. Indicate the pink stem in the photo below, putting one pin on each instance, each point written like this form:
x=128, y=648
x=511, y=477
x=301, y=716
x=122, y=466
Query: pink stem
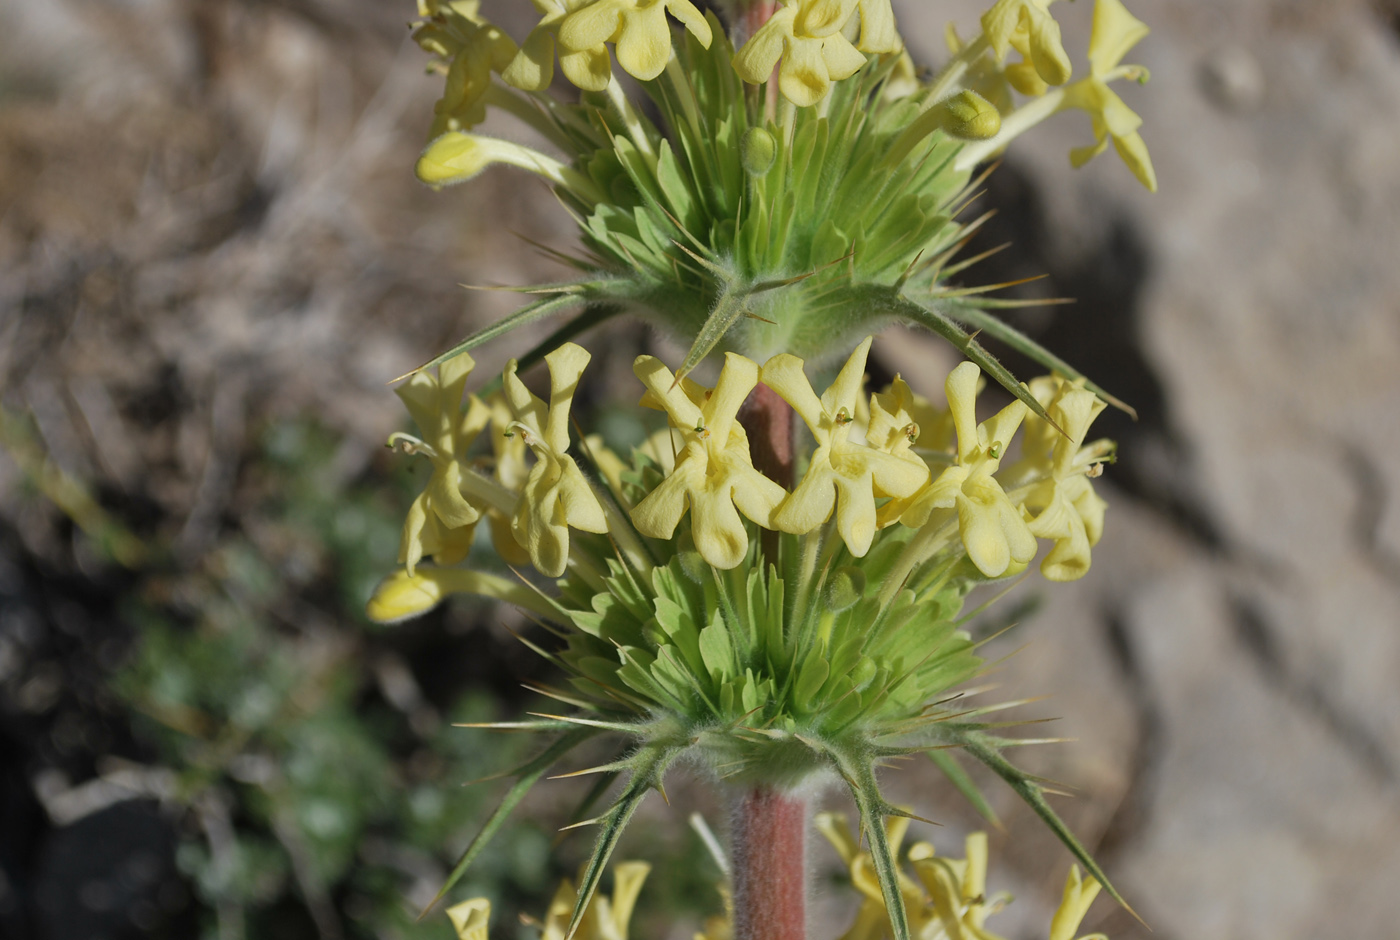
x=770, y=866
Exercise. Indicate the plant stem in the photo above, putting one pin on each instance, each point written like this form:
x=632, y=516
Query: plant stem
x=767, y=420
x=769, y=866
x=768, y=845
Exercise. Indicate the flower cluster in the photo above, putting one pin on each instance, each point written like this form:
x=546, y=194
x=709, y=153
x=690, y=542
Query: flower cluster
x=778, y=634
x=807, y=46
x=872, y=467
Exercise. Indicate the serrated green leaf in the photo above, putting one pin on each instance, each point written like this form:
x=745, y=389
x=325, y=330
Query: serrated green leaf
x=959, y=778
x=651, y=764
x=593, y=314
x=972, y=316
x=900, y=306
x=1029, y=791
x=525, y=315
x=865, y=790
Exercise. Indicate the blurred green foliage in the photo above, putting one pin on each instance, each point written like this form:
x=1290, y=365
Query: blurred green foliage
x=311, y=771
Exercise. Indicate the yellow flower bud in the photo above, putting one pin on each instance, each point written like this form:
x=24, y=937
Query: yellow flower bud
x=969, y=116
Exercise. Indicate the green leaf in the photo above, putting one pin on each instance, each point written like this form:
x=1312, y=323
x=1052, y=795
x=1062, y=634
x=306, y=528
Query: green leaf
x=900, y=306
x=525, y=315
x=527, y=775
x=1028, y=790
x=650, y=764
x=591, y=317
x=865, y=790
x=966, y=785
x=972, y=315
x=727, y=311
x=716, y=650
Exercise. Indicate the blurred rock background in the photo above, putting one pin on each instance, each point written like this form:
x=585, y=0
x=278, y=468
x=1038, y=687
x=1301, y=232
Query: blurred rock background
x=213, y=255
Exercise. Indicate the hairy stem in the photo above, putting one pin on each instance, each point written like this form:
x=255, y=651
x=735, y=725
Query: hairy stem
x=769, y=866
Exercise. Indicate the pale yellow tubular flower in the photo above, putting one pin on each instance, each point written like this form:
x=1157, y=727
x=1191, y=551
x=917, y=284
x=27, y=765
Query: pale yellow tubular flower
x=511, y=471
x=809, y=52
x=605, y=918
x=843, y=475
x=556, y=496
x=714, y=476
x=609, y=464
x=892, y=429
x=1074, y=904
x=1066, y=507
x=638, y=29
x=1114, y=33
x=992, y=530
x=872, y=919
x=471, y=48
x=471, y=918
x=403, y=595
x=532, y=69
x=440, y=522
x=1041, y=35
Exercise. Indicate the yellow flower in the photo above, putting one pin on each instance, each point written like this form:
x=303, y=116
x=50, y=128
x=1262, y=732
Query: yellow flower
x=992, y=530
x=842, y=473
x=404, y=595
x=713, y=475
x=556, y=495
x=470, y=918
x=1074, y=904
x=805, y=37
x=511, y=471
x=604, y=918
x=471, y=47
x=638, y=28
x=1115, y=31
x=532, y=69
x=872, y=920
x=1028, y=26
x=441, y=521
x=1066, y=507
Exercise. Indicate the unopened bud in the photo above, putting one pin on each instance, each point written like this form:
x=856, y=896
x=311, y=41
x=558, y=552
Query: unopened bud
x=844, y=588
x=692, y=565
x=758, y=150
x=970, y=116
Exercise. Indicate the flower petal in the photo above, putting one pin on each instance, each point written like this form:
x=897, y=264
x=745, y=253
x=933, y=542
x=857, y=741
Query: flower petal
x=644, y=43
x=1114, y=32
x=811, y=503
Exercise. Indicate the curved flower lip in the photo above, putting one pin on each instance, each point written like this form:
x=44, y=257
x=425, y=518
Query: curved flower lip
x=1029, y=25
x=1115, y=32
x=441, y=520
x=1066, y=508
x=842, y=475
x=993, y=532
x=638, y=29
x=556, y=496
x=713, y=477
